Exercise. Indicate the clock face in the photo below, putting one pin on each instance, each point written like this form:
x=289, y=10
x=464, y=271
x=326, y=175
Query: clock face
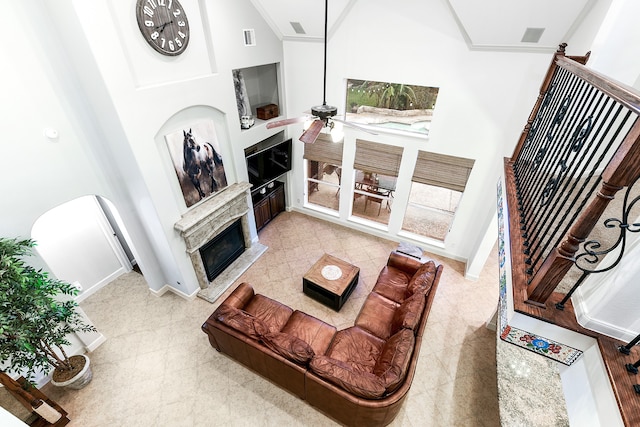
x=164, y=25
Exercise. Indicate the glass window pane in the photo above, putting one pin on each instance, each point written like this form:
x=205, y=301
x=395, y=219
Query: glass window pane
x=323, y=184
x=394, y=106
x=373, y=196
x=430, y=210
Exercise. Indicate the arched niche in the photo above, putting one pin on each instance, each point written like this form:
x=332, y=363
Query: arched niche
x=188, y=119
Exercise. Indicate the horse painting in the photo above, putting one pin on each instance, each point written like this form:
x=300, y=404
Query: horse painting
x=201, y=163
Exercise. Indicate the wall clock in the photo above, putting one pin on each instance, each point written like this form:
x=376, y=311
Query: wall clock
x=164, y=25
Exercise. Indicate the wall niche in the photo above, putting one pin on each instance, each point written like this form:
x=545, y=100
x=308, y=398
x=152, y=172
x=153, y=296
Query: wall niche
x=256, y=88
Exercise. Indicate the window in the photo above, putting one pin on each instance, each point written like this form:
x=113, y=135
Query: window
x=436, y=189
x=376, y=170
x=392, y=106
x=324, y=172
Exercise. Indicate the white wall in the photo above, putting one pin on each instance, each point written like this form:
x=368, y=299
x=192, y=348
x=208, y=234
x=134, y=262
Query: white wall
x=83, y=69
x=615, y=44
x=483, y=103
x=37, y=174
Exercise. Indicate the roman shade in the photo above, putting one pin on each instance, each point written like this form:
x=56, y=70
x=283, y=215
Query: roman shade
x=324, y=150
x=441, y=170
x=377, y=158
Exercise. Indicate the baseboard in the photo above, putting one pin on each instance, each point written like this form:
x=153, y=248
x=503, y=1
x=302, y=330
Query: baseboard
x=96, y=343
x=169, y=288
x=101, y=284
x=472, y=277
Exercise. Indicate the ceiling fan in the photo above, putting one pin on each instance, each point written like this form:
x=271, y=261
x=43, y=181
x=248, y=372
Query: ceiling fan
x=322, y=115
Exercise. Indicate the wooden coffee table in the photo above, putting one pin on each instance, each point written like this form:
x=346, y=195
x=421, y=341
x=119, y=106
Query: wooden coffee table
x=330, y=281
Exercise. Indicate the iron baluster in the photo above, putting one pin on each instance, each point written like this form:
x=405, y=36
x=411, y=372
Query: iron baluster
x=593, y=256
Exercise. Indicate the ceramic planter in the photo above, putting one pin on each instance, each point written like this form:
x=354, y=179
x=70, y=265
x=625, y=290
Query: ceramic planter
x=80, y=380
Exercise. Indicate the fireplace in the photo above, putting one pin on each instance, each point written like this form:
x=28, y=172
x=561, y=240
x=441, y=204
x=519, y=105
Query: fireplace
x=220, y=252
x=220, y=217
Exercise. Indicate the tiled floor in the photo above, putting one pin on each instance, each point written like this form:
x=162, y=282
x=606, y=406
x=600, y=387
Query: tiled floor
x=157, y=367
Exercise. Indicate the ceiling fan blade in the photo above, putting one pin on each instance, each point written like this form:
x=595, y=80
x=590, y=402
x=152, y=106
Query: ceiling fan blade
x=285, y=122
x=355, y=126
x=310, y=135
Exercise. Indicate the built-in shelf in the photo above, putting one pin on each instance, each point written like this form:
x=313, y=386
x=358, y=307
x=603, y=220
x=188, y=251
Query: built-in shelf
x=261, y=88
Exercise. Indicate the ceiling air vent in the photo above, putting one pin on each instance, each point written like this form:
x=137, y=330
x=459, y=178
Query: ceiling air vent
x=297, y=27
x=249, y=37
x=532, y=35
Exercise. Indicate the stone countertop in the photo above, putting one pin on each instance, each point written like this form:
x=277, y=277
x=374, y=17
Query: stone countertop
x=529, y=388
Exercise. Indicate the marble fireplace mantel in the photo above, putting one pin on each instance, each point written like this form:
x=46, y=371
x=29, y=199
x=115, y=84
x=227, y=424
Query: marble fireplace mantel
x=204, y=222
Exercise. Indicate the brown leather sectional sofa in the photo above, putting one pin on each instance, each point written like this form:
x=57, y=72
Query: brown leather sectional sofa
x=358, y=376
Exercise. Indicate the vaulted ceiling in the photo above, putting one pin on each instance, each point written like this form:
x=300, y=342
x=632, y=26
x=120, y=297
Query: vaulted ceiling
x=487, y=24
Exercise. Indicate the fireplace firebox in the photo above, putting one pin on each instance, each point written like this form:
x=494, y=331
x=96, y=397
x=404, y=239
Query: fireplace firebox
x=222, y=250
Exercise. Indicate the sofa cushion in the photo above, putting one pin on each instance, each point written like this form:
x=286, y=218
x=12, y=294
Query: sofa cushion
x=361, y=384
x=422, y=279
x=357, y=348
x=376, y=315
x=240, y=320
x=408, y=313
x=273, y=313
x=393, y=363
x=311, y=330
x=392, y=283
x=288, y=346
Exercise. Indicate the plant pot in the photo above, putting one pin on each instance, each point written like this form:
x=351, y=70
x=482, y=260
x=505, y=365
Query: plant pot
x=79, y=380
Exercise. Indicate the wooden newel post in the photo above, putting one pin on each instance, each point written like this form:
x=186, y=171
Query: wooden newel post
x=560, y=260
x=543, y=90
x=622, y=170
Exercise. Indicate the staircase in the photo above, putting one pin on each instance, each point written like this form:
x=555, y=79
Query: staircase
x=579, y=148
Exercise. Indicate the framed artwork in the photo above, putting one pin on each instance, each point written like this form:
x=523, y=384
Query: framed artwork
x=197, y=160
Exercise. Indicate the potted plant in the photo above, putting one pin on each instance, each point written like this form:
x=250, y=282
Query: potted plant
x=37, y=314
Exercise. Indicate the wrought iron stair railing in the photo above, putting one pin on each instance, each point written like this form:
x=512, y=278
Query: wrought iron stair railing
x=581, y=145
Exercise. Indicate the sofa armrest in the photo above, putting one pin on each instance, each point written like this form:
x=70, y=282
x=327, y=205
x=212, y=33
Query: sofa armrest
x=402, y=262
x=240, y=296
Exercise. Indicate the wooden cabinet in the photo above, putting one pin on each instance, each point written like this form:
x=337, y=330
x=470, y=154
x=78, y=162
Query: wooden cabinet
x=267, y=206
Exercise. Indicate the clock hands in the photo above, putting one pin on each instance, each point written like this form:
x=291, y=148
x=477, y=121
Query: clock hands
x=160, y=28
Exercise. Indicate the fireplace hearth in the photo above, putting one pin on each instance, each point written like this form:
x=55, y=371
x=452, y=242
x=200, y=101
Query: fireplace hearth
x=201, y=225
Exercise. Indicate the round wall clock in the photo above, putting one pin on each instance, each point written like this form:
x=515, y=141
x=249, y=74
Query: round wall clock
x=164, y=25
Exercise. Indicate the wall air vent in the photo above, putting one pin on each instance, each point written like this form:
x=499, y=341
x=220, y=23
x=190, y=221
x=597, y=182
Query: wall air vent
x=249, y=37
x=532, y=35
x=297, y=27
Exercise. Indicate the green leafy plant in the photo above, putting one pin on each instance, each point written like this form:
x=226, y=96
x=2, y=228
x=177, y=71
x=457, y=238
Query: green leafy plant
x=35, y=315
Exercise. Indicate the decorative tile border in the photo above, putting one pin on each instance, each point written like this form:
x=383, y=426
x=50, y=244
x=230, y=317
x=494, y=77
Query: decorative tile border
x=553, y=350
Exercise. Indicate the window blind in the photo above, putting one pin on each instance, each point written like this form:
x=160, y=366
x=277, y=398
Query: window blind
x=377, y=158
x=442, y=171
x=324, y=150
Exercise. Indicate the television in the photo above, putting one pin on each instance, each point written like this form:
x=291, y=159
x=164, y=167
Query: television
x=266, y=164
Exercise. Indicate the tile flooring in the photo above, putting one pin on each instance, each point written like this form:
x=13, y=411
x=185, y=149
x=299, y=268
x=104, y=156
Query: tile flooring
x=157, y=367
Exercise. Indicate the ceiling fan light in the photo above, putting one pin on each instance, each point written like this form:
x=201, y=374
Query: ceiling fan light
x=337, y=131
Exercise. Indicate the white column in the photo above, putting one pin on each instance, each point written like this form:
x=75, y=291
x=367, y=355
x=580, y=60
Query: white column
x=609, y=303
